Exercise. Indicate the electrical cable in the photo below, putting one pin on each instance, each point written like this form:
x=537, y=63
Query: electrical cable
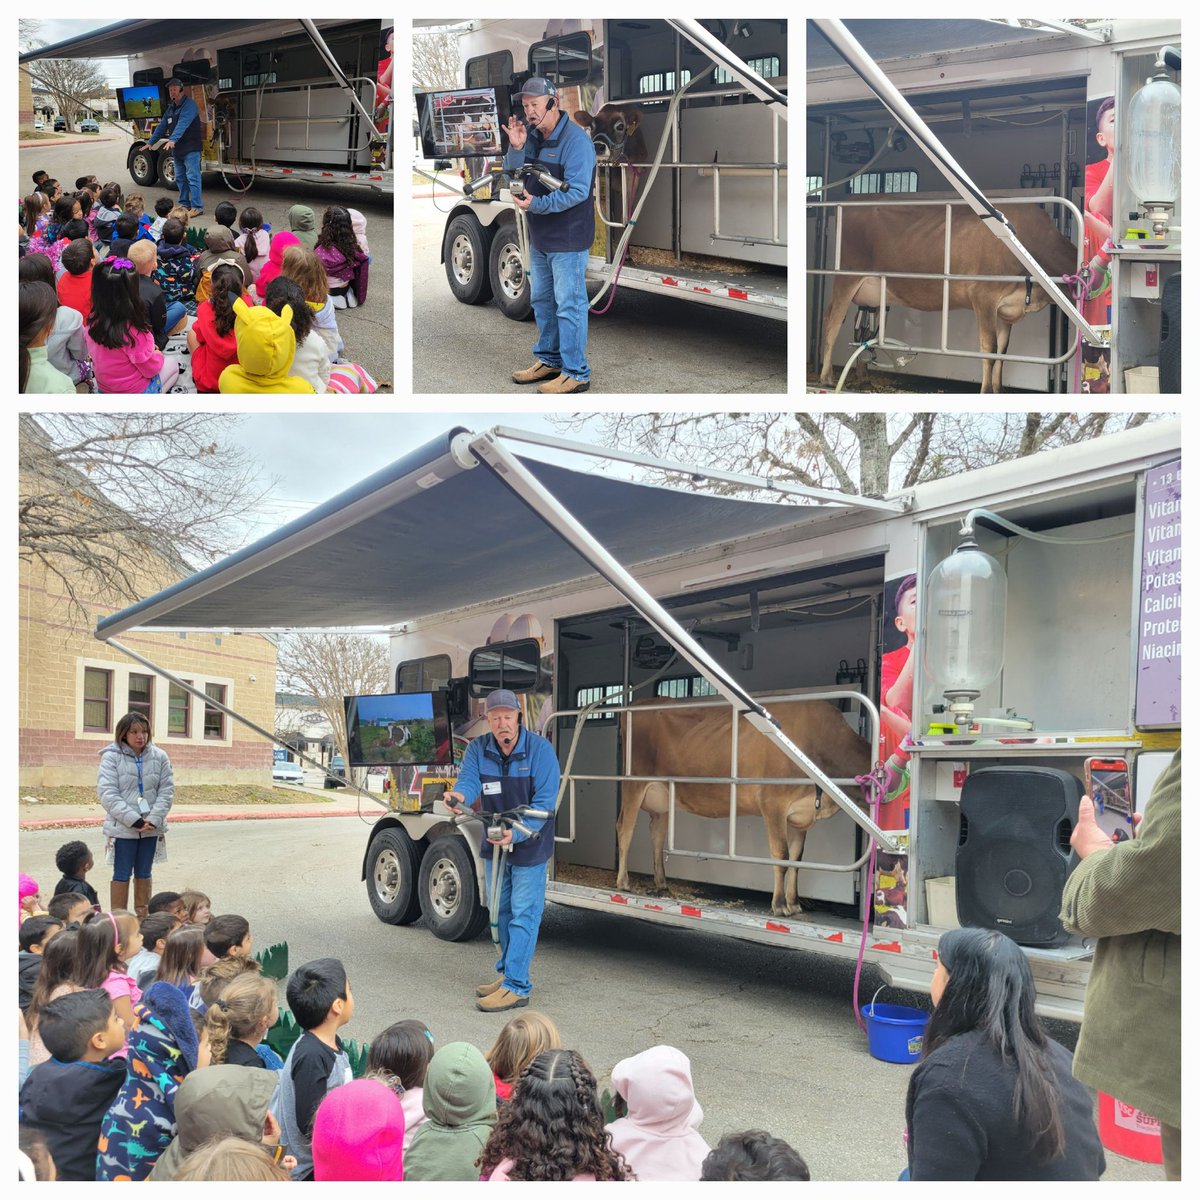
x=967, y=529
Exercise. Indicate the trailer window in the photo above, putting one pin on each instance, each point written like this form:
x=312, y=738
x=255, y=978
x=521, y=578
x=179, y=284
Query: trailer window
x=768, y=68
x=430, y=674
x=512, y=665
x=491, y=70
x=682, y=688
x=814, y=183
x=565, y=60
x=664, y=81
x=871, y=183
x=601, y=691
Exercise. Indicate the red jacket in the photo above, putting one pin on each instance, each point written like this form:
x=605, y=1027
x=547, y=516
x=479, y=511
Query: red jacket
x=75, y=291
x=214, y=353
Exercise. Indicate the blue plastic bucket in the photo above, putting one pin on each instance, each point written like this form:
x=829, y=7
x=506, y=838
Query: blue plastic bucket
x=895, y=1032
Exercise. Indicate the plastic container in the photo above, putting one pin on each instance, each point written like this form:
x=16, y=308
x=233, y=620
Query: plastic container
x=1143, y=380
x=895, y=1033
x=941, y=901
x=1126, y=1131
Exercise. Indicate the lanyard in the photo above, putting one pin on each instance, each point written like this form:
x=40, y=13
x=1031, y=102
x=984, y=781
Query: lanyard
x=138, y=760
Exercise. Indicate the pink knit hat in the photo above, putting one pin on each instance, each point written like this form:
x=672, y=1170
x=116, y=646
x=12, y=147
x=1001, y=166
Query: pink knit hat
x=28, y=887
x=358, y=1134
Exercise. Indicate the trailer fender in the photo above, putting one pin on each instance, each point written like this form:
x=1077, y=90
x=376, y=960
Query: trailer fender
x=486, y=212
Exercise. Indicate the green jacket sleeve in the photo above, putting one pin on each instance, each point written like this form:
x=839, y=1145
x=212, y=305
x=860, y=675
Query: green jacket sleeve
x=1136, y=885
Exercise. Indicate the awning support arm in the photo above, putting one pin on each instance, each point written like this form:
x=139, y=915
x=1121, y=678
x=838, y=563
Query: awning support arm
x=724, y=57
x=205, y=698
x=510, y=434
x=525, y=485
x=332, y=63
x=840, y=38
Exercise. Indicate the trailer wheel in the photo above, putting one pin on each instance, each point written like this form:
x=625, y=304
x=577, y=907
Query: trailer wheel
x=393, y=862
x=465, y=250
x=143, y=166
x=510, y=283
x=449, y=894
x=166, y=170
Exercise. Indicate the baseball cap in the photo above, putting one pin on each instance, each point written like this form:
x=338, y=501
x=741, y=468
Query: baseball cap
x=537, y=85
x=501, y=698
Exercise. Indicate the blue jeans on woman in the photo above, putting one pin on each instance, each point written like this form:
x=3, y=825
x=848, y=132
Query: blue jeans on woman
x=133, y=855
x=522, y=898
x=558, y=289
x=187, y=179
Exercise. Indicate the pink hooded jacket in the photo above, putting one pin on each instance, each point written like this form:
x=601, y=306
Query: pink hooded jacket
x=658, y=1137
x=358, y=1134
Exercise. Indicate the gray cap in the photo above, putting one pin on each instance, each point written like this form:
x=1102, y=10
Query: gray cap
x=538, y=85
x=501, y=698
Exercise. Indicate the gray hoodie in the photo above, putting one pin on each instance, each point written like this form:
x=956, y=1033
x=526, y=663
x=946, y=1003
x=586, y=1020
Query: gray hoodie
x=303, y=223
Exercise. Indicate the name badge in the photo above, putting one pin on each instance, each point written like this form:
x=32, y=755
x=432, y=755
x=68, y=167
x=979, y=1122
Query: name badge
x=492, y=787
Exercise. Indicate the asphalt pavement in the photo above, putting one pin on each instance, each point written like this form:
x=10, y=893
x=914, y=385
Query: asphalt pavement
x=771, y=1034
x=369, y=331
x=644, y=343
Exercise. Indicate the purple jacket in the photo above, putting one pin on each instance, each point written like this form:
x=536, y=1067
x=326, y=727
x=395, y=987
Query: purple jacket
x=340, y=271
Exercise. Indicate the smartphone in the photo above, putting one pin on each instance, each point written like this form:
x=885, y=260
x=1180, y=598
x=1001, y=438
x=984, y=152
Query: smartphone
x=1107, y=782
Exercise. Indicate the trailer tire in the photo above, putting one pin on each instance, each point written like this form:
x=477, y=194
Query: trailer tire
x=143, y=166
x=166, y=170
x=450, y=898
x=465, y=251
x=393, y=864
x=508, y=277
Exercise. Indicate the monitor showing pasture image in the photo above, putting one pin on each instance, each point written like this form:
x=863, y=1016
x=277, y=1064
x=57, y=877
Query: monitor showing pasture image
x=401, y=729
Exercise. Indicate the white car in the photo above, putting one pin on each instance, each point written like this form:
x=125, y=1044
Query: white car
x=287, y=772
x=39, y=124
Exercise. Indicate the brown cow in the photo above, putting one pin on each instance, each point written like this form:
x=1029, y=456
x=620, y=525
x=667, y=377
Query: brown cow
x=689, y=740
x=616, y=130
x=889, y=237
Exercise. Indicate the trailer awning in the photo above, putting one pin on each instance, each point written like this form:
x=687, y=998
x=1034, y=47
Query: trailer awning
x=438, y=531
x=125, y=38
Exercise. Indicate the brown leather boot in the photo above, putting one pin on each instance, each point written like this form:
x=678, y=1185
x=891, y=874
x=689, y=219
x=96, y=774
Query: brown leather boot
x=118, y=894
x=141, y=896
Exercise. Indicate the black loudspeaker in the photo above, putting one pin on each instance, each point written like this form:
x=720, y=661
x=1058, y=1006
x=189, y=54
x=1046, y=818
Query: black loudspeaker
x=1170, y=378
x=1014, y=851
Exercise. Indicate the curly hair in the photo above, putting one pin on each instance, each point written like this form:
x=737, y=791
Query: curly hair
x=71, y=856
x=239, y=1011
x=553, y=1128
x=337, y=233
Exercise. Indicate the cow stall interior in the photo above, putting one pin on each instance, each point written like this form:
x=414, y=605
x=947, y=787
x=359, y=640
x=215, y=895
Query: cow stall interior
x=1018, y=128
x=810, y=629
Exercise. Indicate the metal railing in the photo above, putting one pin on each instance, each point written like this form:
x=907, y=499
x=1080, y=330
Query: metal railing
x=946, y=277
x=733, y=781
x=259, y=121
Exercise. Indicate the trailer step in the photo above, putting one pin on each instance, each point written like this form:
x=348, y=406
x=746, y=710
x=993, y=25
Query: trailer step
x=758, y=292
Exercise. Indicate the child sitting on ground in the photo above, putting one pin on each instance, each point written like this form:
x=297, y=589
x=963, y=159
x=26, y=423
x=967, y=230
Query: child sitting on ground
x=254, y=241
x=305, y=268
x=344, y=260
x=75, y=283
x=302, y=221
x=66, y=350
x=106, y=942
x=211, y=338
x=182, y=959
x=358, y=1135
x=35, y=934
x=107, y=212
x=165, y=319
x=170, y=902
x=162, y=210
x=69, y=907
x=75, y=860
x=280, y=243
x=228, y=936
x=56, y=978
x=176, y=264
x=318, y=993
x=219, y=248
x=459, y=1099
x=119, y=336
x=238, y=1019
x=226, y=214
x=753, y=1157
x=155, y=929
x=266, y=347
x=68, y=1097
x=135, y=203
x=519, y=1043
x=399, y=1058
x=197, y=907
x=37, y=310
x=312, y=358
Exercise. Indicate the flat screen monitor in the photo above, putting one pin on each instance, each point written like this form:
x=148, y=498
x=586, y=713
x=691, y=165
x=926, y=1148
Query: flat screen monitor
x=147, y=102
x=461, y=124
x=400, y=729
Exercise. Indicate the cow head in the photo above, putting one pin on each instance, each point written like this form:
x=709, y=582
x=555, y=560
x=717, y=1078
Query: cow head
x=616, y=132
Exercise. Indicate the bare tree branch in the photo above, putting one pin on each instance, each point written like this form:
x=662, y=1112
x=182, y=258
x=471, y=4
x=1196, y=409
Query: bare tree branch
x=435, y=60
x=71, y=81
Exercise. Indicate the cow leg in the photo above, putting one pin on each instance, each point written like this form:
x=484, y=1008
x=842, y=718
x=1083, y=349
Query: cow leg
x=844, y=288
x=658, y=840
x=652, y=797
x=795, y=852
x=632, y=796
x=985, y=318
x=775, y=820
x=1003, y=333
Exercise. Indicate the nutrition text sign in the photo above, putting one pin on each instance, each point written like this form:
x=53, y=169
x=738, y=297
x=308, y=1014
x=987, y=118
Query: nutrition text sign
x=1159, y=657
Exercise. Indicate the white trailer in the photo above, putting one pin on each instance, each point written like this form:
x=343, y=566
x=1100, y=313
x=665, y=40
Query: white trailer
x=1014, y=106
x=747, y=603
x=708, y=223
x=307, y=100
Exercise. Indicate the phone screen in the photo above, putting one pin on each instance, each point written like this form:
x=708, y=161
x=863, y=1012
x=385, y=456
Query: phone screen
x=1108, y=787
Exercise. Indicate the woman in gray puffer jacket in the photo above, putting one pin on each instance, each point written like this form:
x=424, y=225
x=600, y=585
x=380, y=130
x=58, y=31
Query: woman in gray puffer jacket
x=136, y=787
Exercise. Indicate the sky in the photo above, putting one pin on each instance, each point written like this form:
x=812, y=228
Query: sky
x=115, y=70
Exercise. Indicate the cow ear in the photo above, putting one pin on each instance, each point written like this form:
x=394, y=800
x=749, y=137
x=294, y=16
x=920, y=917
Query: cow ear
x=583, y=118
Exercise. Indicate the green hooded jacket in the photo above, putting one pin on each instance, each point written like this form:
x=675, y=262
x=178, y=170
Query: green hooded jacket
x=460, y=1107
x=303, y=223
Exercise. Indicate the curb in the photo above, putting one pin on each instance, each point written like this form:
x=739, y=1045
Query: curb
x=184, y=818
x=75, y=141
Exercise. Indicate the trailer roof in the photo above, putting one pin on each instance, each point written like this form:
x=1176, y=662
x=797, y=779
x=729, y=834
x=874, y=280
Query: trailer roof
x=436, y=531
x=125, y=38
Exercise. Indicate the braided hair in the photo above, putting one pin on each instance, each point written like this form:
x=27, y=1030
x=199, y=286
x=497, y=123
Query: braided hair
x=553, y=1128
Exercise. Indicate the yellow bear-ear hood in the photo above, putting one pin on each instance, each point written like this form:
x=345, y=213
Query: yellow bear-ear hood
x=266, y=343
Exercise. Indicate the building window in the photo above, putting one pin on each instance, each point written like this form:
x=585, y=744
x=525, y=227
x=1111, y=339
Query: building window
x=179, y=712
x=430, y=674
x=214, y=718
x=664, y=81
x=814, y=184
x=141, y=694
x=589, y=695
x=680, y=689
x=872, y=183
x=97, y=700
x=768, y=68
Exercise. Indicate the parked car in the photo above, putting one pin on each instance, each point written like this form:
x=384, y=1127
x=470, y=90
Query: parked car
x=335, y=776
x=39, y=124
x=89, y=125
x=287, y=772
x=60, y=124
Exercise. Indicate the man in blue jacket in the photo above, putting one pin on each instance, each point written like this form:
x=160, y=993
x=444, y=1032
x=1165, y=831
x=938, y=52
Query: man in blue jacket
x=181, y=126
x=562, y=225
x=502, y=769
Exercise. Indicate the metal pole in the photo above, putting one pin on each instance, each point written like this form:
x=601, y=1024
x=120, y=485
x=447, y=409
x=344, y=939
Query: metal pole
x=524, y=484
x=323, y=50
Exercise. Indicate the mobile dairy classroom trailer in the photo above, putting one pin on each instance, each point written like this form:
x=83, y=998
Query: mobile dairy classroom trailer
x=691, y=187
x=308, y=100
x=578, y=590
x=1016, y=107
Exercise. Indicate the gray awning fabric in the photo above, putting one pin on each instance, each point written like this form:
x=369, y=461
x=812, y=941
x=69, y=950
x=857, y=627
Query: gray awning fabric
x=124, y=38
x=885, y=40
x=430, y=534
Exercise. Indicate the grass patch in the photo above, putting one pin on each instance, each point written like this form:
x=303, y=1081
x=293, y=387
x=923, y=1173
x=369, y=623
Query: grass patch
x=224, y=793
x=37, y=135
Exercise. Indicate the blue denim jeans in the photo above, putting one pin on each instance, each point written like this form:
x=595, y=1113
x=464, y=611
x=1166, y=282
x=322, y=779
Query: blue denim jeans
x=187, y=179
x=560, y=306
x=522, y=898
x=175, y=312
x=133, y=855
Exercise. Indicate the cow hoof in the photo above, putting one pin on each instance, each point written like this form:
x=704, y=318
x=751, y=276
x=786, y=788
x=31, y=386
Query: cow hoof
x=664, y=893
x=781, y=910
